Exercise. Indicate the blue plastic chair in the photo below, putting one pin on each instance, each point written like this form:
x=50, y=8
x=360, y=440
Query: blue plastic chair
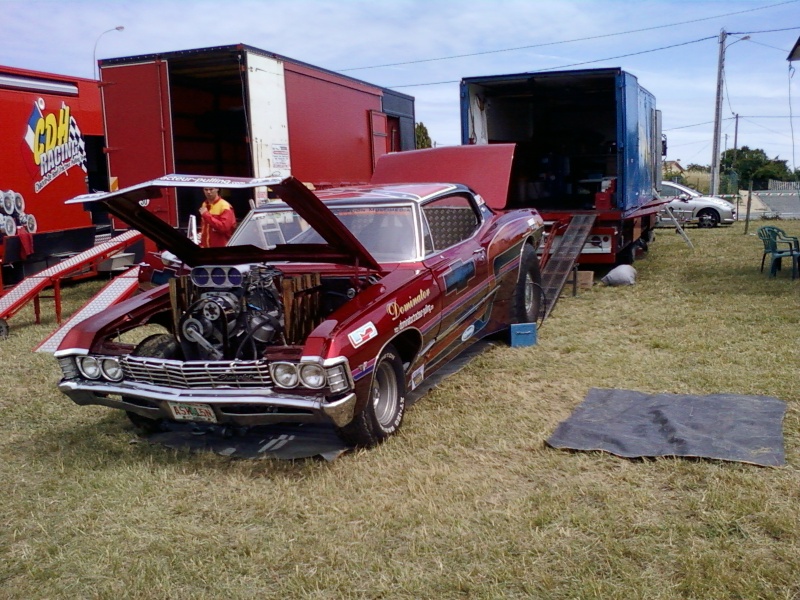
x=778, y=245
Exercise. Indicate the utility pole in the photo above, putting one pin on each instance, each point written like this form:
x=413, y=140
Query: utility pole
x=718, y=109
x=735, y=142
x=717, y=115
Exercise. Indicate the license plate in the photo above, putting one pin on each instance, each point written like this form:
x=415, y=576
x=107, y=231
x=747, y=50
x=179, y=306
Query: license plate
x=192, y=412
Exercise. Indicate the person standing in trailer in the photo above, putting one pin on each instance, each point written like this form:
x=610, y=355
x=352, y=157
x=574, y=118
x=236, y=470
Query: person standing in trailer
x=217, y=220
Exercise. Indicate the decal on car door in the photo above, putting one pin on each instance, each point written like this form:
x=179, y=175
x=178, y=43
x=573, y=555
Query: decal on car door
x=458, y=276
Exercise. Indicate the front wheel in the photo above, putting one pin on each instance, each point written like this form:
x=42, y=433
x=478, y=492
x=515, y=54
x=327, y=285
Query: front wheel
x=528, y=292
x=383, y=413
x=708, y=217
x=160, y=345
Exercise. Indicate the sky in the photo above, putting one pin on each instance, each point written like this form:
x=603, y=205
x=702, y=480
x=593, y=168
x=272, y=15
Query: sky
x=424, y=47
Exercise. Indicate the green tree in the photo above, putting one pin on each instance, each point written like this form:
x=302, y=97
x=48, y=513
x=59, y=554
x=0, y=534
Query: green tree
x=696, y=167
x=754, y=165
x=669, y=175
x=423, y=140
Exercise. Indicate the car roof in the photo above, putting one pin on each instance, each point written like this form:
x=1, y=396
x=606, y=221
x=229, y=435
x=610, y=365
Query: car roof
x=380, y=194
x=677, y=185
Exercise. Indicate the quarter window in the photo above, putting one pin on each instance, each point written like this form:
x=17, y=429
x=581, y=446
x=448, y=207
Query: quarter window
x=450, y=220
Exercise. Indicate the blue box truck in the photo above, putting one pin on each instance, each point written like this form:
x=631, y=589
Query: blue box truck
x=588, y=142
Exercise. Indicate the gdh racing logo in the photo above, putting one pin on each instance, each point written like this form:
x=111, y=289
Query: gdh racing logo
x=55, y=141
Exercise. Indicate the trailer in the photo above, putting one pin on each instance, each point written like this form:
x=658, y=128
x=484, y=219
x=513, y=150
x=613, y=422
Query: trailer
x=240, y=111
x=52, y=150
x=588, y=156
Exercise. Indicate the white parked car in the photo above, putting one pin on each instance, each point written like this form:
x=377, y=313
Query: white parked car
x=690, y=206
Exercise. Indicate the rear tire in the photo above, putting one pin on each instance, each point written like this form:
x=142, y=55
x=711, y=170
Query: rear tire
x=528, y=292
x=160, y=345
x=628, y=254
x=383, y=413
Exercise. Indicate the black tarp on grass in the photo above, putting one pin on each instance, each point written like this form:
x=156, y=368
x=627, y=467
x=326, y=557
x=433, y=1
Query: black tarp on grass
x=634, y=424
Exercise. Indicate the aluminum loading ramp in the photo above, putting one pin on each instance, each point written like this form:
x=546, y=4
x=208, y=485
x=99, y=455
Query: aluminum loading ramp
x=559, y=264
x=118, y=289
x=83, y=264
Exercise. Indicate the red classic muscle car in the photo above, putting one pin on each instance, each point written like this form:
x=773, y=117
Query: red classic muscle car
x=326, y=306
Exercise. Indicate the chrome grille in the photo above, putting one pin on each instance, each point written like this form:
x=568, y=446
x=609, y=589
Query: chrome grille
x=196, y=374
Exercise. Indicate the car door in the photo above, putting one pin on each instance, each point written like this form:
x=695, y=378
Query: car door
x=460, y=267
x=678, y=202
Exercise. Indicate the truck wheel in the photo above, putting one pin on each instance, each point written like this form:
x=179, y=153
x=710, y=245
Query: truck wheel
x=628, y=254
x=386, y=405
x=160, y=345
x=708, y=217
x=528, y=293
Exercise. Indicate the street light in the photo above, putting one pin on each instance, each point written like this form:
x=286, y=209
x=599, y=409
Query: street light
x=715, y=159
x=94, y=53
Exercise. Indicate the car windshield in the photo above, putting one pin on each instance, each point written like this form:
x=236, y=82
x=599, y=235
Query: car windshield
x=675, y=189
x=388, y=233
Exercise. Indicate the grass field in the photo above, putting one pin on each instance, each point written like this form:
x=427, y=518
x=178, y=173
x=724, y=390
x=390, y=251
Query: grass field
x=467, y=502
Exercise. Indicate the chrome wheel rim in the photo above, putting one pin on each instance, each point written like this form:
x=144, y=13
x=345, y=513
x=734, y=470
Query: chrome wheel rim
x=385, y=396
x=529, y=295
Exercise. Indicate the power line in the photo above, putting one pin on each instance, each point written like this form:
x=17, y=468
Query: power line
x=767, y=128
x=586, y=62
x=732, y=118
x=727, y=93
x=784, y=50
x=584, y=39
x=688, y=126
x=673, y=146
x=763, y=30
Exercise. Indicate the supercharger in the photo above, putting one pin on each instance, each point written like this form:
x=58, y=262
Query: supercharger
x=231, y=313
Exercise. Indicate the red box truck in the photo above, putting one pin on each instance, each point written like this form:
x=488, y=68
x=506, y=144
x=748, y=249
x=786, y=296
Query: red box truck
x=52, y=134
x=240, y=111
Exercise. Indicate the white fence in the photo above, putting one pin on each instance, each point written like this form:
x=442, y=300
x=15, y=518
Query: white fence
x=783, y=186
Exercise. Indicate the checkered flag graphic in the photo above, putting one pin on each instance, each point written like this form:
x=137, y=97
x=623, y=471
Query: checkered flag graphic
x=76, y=138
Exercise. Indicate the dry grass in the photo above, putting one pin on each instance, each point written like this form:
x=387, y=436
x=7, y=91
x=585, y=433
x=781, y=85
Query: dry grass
x=466, y=502
x=699, y=180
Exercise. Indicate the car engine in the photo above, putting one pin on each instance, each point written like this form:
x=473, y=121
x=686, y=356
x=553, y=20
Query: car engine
x=230, y=313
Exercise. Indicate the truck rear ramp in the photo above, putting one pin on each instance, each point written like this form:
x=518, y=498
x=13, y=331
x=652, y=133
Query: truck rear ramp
x=557, y=266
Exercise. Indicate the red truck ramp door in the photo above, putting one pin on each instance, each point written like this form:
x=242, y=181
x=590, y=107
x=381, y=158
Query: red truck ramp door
x=137, y=108
x=486, y=169
x=379, y=126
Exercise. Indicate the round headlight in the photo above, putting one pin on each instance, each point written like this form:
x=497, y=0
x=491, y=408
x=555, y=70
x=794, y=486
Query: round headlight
x=284, y=375
x=111, y=369
x=90, y=367
x=312, y=375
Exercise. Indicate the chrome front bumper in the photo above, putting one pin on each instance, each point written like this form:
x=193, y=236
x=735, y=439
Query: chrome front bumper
x=244, y=407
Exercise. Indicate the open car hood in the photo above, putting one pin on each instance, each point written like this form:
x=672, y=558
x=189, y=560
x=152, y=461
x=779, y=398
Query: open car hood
x=342, y=247
x=484, y=168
